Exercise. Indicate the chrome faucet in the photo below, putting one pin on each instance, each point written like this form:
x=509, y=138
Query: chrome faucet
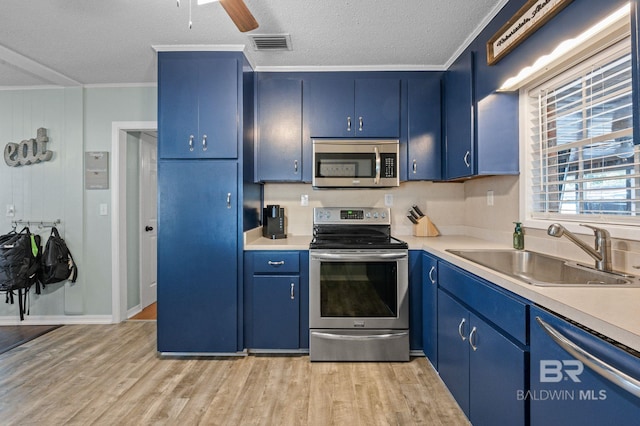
x=602, y=251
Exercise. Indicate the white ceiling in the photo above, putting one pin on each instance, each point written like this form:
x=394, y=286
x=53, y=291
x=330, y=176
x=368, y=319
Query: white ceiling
x=94, y=42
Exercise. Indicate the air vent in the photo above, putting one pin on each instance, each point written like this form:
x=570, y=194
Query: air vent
x=271, y=41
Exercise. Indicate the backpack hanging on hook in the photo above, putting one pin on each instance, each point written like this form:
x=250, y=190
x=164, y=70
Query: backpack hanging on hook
x=57, y=263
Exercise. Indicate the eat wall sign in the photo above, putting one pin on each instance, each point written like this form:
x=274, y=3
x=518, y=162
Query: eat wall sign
x=28, y=151
x=533, y=15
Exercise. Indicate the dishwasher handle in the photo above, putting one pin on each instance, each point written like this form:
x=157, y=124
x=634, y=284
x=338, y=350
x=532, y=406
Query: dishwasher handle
x=609, y=372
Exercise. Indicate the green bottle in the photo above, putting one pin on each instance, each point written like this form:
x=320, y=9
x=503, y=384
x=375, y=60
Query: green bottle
x=518, y=237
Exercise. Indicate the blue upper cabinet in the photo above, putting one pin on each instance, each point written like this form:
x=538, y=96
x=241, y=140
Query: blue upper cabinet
x=424, y=128
x=341, y=106
x=279, y=147
x=199, y=92
x=460, y=118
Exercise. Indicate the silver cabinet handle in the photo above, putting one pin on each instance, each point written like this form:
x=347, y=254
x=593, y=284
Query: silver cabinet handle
x=415, y=166
x=228, y=200
x=361, y=123
x=293, y=286
x=276, y=263
x=474, y=332
x=191, y=142
x=461, y=329
x=295, y=166
x=348, y=124
x=431, y=271
x=466, y=159
x=609, y=372
x=204, y=142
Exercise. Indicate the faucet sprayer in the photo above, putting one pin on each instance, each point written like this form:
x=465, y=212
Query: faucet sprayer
x=602, y=252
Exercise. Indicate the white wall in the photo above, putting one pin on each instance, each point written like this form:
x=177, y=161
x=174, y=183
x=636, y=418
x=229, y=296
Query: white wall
x=77, y=120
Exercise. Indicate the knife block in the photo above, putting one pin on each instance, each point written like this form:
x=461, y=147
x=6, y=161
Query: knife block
x=425, y=228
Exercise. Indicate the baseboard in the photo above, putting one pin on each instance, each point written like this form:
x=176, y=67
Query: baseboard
x=56, y=319
x=134, y=311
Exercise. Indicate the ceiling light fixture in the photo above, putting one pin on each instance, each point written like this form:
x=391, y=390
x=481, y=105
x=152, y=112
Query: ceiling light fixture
x=237, y=11
x=565, y=49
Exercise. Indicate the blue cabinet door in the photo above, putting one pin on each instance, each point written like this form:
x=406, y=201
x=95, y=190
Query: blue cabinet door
x=377, y=108
x=453, y=348
x=459, y=118
x=177, y=106
x=424, y=129
x=197, y=256
x=342, y=106
x=218, y=96
x=279, y=130
x=275, y=312
x=415, y=300
x=497, y=372
x=330, y=104
x=197, y=105
x=430, y=308
x=566, y=391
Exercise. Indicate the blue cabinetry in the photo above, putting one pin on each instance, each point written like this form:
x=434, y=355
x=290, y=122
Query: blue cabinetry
x=481, y=354
x=460, y=118
x=424, y=145
x=197, y=105
x=200, y=194
x=430, y=308
x=279, y=145
x=567, y=389
x=197, y=256
x=341, y=106
x=276, y=300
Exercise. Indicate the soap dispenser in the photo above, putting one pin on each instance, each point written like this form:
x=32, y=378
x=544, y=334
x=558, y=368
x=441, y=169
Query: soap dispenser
x=518, y=237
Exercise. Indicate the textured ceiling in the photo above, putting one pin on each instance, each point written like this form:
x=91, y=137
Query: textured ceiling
x=67, y=42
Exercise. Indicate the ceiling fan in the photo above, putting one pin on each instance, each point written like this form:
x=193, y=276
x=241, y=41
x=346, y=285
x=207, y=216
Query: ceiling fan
x=237, y=11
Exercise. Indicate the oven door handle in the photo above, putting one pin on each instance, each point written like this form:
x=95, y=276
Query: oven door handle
x=333, y=336
x=367, y=256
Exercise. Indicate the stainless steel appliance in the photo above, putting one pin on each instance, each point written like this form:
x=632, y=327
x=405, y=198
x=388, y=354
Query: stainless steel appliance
x=347, y=163
x=273, y=222
x=358, y=287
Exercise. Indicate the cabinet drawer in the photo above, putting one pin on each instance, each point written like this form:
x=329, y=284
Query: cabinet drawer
x=505, y=311
x=276, y=262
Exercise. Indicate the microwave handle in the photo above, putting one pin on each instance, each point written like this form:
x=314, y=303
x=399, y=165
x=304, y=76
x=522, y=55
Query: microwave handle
x=377, y=179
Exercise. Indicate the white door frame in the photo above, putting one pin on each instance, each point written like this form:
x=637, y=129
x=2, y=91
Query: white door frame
x=119, y=131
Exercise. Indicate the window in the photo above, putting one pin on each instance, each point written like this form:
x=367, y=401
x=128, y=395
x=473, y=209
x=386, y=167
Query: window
x=583, y=163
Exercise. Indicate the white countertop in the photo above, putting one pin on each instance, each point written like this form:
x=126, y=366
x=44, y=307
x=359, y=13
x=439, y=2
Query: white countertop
x=614, y=312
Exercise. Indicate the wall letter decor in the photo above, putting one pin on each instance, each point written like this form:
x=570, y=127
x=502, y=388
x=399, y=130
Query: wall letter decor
x=28, y=151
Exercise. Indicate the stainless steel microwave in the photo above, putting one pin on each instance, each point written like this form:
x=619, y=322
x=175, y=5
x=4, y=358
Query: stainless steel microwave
x=355, y=163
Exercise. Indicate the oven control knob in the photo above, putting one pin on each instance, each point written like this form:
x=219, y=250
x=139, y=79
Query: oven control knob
x=383, y=215
x=375, y=215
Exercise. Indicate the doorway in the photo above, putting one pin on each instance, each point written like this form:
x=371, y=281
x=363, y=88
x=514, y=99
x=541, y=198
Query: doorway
x=133, y=223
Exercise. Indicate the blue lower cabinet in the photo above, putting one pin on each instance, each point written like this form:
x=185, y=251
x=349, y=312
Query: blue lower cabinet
x=275, y=312
x=567, y=388
x=276, y=300
x=430, y=308
x=415, y=300
x=197, y=257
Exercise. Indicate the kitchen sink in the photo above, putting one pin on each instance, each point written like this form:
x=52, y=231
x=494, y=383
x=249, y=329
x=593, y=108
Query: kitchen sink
x=543, y=270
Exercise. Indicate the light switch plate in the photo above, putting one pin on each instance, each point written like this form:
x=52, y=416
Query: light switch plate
x=388, y=200
x=103, y=209
x=304, y=200
x=11, y=210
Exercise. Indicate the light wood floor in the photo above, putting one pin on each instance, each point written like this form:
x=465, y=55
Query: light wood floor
x=111, y=375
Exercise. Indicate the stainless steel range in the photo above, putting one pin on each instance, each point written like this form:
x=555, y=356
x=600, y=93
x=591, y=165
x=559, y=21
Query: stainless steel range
x=358, y=287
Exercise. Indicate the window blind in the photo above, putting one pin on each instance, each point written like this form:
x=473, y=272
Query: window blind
x=583, y=157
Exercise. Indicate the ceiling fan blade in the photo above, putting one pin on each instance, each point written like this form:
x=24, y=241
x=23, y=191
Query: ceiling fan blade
x=240, y=15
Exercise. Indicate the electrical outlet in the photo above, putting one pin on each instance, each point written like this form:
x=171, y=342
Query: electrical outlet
x=388, y=200
x=304, y=200
x=490, y=198
x=103, y=210
x=11, y=210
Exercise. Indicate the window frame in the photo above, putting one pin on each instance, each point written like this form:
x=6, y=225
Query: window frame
x=623, y=226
